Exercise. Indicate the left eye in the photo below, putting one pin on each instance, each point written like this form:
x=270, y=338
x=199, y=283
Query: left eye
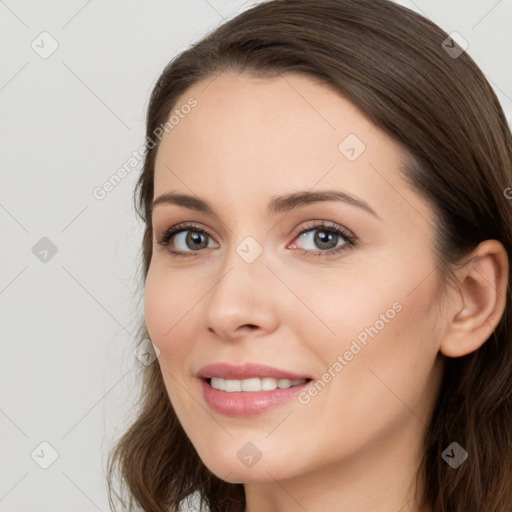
x=324, y=239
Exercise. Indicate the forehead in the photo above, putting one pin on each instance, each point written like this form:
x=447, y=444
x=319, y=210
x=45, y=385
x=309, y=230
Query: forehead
x=253, y=136
x=244, y=117
x=295, y=107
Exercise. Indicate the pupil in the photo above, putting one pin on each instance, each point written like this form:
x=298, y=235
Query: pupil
x=323, y=238
x=195, y=238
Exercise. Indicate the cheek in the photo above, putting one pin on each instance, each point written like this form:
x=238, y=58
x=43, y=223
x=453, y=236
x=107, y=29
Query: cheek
x=399, y=358
x=167, y=319
x=352, y=308
x=379, y=327
x=168, y=311
x=387, y=378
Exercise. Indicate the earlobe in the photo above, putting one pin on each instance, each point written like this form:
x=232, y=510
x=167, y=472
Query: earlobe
x=483, y=291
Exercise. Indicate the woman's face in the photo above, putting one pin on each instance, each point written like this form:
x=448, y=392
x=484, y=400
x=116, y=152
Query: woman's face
x=358, y=319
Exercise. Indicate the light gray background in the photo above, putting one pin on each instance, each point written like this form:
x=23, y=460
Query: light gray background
x=68, y=122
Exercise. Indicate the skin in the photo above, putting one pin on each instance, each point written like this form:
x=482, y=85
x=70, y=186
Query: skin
x=358, y=442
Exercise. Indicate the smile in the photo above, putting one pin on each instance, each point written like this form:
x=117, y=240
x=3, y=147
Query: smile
x=248, y=397
x=253, y=384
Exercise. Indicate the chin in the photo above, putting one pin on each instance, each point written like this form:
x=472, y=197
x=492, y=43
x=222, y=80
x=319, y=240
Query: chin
x=243, y=476
x=234, y=470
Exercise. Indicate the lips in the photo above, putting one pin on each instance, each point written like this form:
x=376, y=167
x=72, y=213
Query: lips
x=246, y=371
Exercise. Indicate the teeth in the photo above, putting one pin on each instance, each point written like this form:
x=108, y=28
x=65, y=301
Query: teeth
x=254, y=384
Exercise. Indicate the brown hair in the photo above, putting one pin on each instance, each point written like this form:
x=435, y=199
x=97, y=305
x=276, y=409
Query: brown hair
x=391, y=64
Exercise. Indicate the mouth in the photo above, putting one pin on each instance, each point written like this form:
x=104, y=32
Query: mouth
x=253, y=384
x=248, y=389
x=250, y=396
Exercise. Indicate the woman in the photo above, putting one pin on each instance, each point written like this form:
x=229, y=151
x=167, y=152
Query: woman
x=326, y=270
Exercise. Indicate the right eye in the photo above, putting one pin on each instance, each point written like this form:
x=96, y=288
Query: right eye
x=188, y=236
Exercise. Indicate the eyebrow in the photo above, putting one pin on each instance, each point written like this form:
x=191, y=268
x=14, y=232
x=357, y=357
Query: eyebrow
x=278, y=204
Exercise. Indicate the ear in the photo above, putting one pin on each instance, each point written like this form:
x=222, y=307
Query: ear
x=483, y=285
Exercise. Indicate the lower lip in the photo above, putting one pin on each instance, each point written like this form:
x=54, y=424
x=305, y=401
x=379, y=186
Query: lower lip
x=247, y=403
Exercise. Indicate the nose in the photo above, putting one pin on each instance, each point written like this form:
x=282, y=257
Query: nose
x=241, y=301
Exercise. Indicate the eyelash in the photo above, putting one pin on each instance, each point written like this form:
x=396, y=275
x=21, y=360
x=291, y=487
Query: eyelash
x=328, y=227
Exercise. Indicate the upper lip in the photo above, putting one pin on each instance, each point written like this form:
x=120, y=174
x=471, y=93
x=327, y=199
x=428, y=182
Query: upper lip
x=245, y=371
